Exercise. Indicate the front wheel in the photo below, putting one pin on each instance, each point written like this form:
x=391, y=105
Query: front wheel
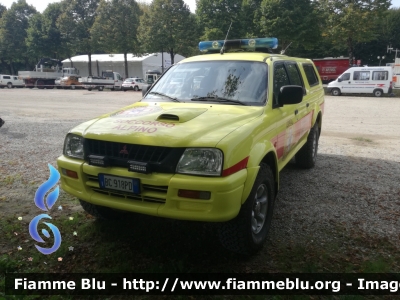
x=378, y=93
x=307, y=155
x=247, y=233
x=9, y=85
x=72, y=86
x=136, y=88
x=335, y=92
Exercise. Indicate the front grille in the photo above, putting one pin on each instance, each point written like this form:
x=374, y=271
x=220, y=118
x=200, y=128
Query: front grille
x=159, y=159
x=149, y=193
x=120, y=153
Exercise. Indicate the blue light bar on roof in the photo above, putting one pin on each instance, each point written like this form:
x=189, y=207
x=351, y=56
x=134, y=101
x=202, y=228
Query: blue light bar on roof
x=244, y=44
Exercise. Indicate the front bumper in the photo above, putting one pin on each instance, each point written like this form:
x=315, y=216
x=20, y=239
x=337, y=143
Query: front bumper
x=159, y=192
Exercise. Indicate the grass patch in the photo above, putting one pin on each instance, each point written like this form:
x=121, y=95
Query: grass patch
x=362, y=139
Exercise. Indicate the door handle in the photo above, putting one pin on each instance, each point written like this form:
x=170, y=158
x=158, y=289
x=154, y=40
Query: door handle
x=296, y=111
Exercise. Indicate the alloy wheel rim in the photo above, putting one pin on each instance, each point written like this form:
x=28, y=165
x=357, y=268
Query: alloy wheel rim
x=260, y=209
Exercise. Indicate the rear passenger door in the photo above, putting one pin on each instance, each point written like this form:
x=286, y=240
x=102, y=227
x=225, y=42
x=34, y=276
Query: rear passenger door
x=286, y=73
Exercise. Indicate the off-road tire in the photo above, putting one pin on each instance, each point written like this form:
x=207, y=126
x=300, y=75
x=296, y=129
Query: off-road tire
x=100, y=212
x=335, y=92
x=378, y=93
x=307, y=155
x=240, y=235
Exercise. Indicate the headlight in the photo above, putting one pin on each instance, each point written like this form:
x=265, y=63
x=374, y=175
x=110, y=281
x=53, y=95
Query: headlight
x=73, y=146
x=201, y=161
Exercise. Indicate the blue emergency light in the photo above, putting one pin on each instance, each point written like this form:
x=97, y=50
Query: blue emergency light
x=260, y=44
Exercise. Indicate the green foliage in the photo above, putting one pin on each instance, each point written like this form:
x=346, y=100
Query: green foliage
x=292, y=21
x=13, y=26
x=351, y=22
x=75, y=24
x=168, y=26
x=115, y=28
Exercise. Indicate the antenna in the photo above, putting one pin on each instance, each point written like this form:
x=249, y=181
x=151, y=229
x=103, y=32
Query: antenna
x=223, y=46
x=283, y=51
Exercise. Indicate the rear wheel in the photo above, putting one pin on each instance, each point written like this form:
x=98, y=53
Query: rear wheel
x=335, y=92
x=40, y=84
x=307, y=155
x=100, y=212
x=247, y=233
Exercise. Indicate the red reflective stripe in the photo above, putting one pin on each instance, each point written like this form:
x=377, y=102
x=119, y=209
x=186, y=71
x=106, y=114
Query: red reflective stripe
x=236, y=168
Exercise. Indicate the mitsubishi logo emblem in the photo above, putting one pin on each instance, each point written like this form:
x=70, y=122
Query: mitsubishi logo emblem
x=124, y=151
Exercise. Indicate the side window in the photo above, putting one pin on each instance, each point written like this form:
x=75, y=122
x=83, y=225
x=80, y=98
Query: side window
x=312, y=78
x=15, y=78
x=380, y=75
x=294, y=74
x=6, y=77
x=345, y=76
x=361, y=75
x=281, y=78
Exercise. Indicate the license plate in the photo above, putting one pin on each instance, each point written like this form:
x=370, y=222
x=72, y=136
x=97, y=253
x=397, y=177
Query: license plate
x=124, y=184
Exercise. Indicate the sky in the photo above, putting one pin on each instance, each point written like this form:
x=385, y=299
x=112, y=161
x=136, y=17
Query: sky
x=41, y=5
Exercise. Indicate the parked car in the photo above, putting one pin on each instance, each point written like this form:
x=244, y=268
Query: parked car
x=133, y=84
x=211, y=151
x=11, y=81
x=363, y=80
x=57, y=82
x=70, y=82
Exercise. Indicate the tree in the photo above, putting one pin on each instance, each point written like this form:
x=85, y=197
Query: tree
x=13, y=26
x=167, y=26
x=291, y=21
x=75, y=24
x=2, y=9
x=215, y=17
x=115, y=28
x=350, y=22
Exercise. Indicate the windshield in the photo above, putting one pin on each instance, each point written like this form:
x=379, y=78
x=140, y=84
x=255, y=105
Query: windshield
x=242, y=81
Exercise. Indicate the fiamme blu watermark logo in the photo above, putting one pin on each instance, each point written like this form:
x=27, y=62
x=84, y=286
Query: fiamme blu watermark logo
x=40, y=203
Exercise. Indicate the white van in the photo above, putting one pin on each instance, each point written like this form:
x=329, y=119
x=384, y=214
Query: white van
x=10, y=81
x=363, y=80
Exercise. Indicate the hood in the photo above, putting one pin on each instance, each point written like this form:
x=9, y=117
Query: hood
x=169, y=124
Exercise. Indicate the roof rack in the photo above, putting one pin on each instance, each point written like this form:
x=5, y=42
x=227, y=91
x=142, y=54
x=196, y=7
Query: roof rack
x=244, y=45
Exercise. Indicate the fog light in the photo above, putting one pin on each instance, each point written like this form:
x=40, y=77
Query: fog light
x=99, y=161
x=203, y=195
x=137, y=166
x=70, y=173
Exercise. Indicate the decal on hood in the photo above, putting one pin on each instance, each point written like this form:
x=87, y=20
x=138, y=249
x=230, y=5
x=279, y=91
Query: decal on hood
x=136, y=111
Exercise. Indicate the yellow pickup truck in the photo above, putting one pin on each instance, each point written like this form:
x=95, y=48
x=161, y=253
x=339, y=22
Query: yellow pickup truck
x=206, y=143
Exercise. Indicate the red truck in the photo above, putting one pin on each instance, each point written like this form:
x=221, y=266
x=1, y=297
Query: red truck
x=331, y=67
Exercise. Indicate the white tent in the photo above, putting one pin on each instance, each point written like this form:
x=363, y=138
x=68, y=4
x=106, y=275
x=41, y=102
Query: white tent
x=137, y=66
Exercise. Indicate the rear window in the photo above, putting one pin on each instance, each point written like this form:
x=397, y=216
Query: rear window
x=312, y=78
x=380, y=75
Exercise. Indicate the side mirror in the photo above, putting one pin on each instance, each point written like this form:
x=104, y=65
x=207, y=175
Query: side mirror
x=145, y=88
x=339, y=79
x=290, y=94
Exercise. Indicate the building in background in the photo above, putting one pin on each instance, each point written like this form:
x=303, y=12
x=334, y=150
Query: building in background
x=137, y=66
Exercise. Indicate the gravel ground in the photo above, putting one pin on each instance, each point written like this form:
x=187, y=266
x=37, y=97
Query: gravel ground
x=354, y=186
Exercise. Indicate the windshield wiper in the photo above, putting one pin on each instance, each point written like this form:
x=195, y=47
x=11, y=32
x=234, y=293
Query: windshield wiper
x=165, y=95
x=218, y=99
